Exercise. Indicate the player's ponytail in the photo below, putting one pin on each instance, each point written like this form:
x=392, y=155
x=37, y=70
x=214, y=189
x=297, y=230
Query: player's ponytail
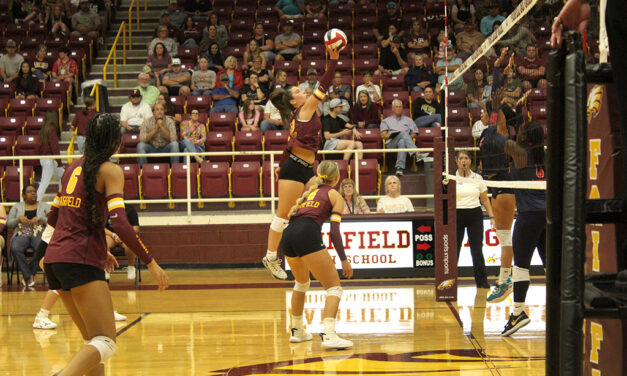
x=327, y=173
x=281, y=98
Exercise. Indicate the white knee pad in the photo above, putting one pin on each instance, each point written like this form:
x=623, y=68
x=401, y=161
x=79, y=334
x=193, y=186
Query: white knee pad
x=520, y=274
x=335, y=291
x=505, y=237
x=278, y=224
x=104, y=345
x=301, y=287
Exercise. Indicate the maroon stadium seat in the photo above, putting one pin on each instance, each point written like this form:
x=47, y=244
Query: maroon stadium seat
x=219, y=141
x=23, y=107
x=178, y=101
x=43, y=105
x=222, y=122
x=458, y=117
x=248, y=141
x=154, y=180
x=214, y=179
x=394, y=83
x=313, y=50
x=275, y=140
x=7, y=89
x=131, y=180
x=537, y=97
x=178, y=180
x=188, y=54
x=313, y=36
x=365, y=50
x=371, y=138
x=203, y=117
x=291, y=67
x=317, y=23
x=129, y=146
x=239, y=37
x=236, y=50
x=425, y=136
x=456, y=98
x=245, y=179
x=366, y=64
x=463, y=136
x=198, y=102
x=11, y=126
x=317, y=63
x=6, y=148
x=475, y=114
x=267, y=172
x=241, y=24
x=369, y=176
x=365, y=10
x=346, y=67
x=390, y=95
x=28, y=145
x=57, y=90
x=11, y=181
x=343, y=21
x=538, y=113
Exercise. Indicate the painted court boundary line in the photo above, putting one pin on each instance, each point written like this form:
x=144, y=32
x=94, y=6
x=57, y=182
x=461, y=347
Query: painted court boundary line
x=132, y=324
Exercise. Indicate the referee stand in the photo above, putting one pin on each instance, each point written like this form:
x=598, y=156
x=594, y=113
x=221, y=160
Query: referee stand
x=599, y=347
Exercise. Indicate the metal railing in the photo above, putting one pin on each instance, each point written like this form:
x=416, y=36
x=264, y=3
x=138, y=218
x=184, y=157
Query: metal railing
x=130, y=21
x=113, y=53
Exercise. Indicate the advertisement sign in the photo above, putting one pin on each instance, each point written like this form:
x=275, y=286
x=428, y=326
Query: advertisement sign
x=424, y=243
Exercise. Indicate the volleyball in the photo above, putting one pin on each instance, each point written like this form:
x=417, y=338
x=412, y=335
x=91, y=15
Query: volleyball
x=335, y=38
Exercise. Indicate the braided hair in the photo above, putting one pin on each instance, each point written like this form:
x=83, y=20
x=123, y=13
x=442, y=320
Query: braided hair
x=102, y=140
x=531, y=138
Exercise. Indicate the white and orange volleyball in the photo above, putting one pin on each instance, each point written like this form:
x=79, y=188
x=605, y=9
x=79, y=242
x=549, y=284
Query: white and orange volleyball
x=335, y=38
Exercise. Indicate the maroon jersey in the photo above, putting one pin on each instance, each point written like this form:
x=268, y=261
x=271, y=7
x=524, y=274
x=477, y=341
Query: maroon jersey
x=305, y=134
x=73, y=240
x=316, y=206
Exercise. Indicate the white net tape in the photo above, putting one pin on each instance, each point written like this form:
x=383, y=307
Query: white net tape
x=514, y=184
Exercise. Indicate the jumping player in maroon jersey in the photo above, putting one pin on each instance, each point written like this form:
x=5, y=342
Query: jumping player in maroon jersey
x=305, y=252
x=91, y=189
x=296, y=168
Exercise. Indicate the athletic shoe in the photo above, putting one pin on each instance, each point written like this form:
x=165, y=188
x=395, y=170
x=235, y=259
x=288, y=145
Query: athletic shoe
x=22, y=281
x=130, y=272
x=43, y=323
x=300, y=335
x=515, y=323
x=31, y=281
x=501, y=291
x=274, y=268
x=118, y=317
x=333, y=341
x=399, y=172
x=107, y=276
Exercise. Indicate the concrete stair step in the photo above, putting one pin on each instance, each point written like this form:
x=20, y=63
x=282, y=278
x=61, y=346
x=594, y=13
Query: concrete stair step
x=122, y=68
x=138, y=51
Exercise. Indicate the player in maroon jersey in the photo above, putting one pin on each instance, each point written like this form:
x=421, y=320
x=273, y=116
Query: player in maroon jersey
x=305, y=252
x=296, y=169
x=91, y=189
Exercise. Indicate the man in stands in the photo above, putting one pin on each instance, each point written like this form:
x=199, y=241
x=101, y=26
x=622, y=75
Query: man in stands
x=392, y=17
x=84, y=22
x=158, y=135
x=488, y=21
x=373, y=89
x=176, y=16
x=453, y=63
x=290, y=8
x=287, y=44
x=198, y=9
x=531, y=70
x=173, y=31
x=224, y=97
x=312, y=80
x=10, y=62
x=427, y=111
x=134, y=112
x=469, y=40
x=344, y=91
x=150, y=93
x=397, y=131
x=393, y=60
x=176, y=82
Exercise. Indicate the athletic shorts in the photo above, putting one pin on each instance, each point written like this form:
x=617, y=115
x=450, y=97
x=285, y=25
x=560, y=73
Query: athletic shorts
x=296, y=169
x=66, y=275
x=288, y=57
x=499, y=191
x=301, y=237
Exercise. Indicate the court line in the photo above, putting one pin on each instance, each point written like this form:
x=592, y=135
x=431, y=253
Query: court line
x=140, y=318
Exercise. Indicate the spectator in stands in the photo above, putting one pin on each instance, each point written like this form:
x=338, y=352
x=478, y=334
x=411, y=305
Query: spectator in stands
x=254, y=92
x=176, y=16
x=27, y=220
x=344, y=91
x=262, y=73
x=271, y=118
x=508, y=6
x=134, y=112
x=417, y=39
x=324, y=108
x=453, y=63
x=440, y=45
x=170, y=111
x=392, y=17
x=265, y=41
x=488, y=21
x=531, y=69
x=169, y=43
x=290, y=8
x=10, y=62
x=214, y=57
x=222, y=32
x=176, y=82
x=25, y=12
x=204, y=79
x=469, y=40
x=397, y=131
x=393, y=202
x=190, y=33
x=65, y=68
x=26, y=83
x=463, y=12
x=173, y=31
x=159, y=62
x=84, y=22
x=252, y=52
x=393, y=60
x=79, y=123
x=57, y=22
x=41, y=67
x=518, y=39
x=315, y=9
x=157, y=135
x=281, y=80
x=312, y=80
x=337, y=133
x=420, y=75
x=287, y=43
x=249, y=116
x=224, y=96
x=480, y=125
x=211, y=36
x=198, y=9
x=193, y=136
x=148, y=92
x=427, y=110
x=365, y=113
x=49, y=145
x=236, y=79
x=541, y=14
x=513, y=87
x=478, y=92
x=353, y=202
x=373, y=89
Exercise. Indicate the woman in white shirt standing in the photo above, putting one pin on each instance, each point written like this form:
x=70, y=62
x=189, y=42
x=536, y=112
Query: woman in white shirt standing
x=394, y=202
x=469, y=198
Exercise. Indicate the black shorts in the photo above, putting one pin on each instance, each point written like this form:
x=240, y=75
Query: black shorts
x=301, y=237
x=495, y=191
x=288, y=57
x=66, y=275
x=294, y=168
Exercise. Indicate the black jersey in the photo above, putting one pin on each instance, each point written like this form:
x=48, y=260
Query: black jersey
x=492, y=154
x=530, y=200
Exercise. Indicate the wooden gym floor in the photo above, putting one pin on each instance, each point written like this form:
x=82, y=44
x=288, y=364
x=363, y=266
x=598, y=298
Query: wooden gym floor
x=235, y=322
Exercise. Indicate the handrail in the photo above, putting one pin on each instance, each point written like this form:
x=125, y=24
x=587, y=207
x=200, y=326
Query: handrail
x=97, y=99
x=130, y=22
x=114, y=53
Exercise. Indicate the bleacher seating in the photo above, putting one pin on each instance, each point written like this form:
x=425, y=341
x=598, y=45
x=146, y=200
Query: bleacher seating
x=178, y=180
x=245, y=179
x=154, y=180
x=214, y=179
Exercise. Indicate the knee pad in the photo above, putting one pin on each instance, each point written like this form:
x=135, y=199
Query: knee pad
x=104, y=345
x=278, y=224
x=505, y=237
x=301, y=287
x=520, y=274
x=335, y=291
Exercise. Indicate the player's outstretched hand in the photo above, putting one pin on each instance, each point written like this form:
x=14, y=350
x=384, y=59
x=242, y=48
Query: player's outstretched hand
x=159, y=275
x=111, y=263
x=347, y=269
x=334, y=53
x=574, y=16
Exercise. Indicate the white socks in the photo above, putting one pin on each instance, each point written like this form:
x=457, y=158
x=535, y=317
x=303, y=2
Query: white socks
x=43, y=313
x=518, y=308
x=504, y=274
x=297, y=322
x=270, y=255
x=329, y=325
